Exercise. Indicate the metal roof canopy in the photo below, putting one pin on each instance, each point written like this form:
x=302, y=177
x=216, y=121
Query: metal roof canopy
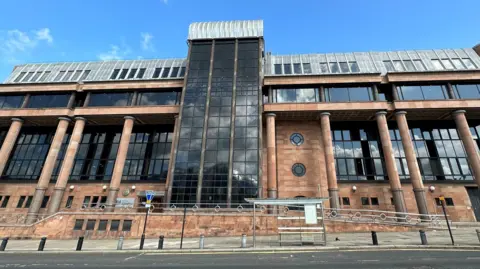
x=225, y=29
x=287, y=201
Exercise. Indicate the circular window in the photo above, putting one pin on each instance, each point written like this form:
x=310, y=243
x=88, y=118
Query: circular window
x=296, y=139
x=298, y=169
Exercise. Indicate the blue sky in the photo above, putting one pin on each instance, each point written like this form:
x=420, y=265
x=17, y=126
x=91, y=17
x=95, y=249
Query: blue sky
x=87, y=30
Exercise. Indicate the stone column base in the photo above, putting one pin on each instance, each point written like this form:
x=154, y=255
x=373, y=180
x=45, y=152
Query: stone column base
x=56, y=200
x=334, y=202
x=421, y=200
x=32, y=214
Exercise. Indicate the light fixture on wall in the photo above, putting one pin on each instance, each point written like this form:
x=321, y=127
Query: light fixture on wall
x=133, y=187
x=104, y=187
x=431, y=188
x=354, y=188
x=72, y=187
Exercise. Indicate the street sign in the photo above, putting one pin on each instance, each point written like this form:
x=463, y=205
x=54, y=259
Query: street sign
x=442, y=198
x=310, y=214
x=149, y=195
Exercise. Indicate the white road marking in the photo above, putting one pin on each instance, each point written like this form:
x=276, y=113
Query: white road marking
x=368, y=260
x=133, y=257
x=473, y=258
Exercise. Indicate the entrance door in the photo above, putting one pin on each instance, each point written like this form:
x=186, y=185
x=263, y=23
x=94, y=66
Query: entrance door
x=474, y=194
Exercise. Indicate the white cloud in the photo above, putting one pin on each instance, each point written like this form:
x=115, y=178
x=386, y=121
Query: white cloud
x=115, y=53
x=15, y=43
x=165, y=2
x=44, y=34
x=146, y=42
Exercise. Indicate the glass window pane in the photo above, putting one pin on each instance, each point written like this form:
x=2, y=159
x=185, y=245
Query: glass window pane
x=411, y=93
x=388, y=65
x=141, y=72
x=359, y=94
x=287, y=69
x=436, y=64
x=157, y=98
x=447, y=64
x=297, y=69
x=354, y=67
x=467, y=91
x=286, y=96
x=307, y=69
x=458, y=63
x=419, y=65
x=469, y=63
x=433, y=92
x=409, y=65
x=398, y=65
x=48, y=100
x=338, y=95
x=334, y=68
x=109, y=99
x=305, y=95
x=278, y=69
x=324, y=68
x=344, y=67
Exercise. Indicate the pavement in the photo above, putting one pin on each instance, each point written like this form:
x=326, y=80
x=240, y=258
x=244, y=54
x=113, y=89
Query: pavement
x=376, y=259
x=464, y=238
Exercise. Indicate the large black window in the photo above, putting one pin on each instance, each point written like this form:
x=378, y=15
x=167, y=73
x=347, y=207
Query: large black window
x=351, y=94
x=48, y=100
x=148, y=154
x=307, y=95
x=110, y=99
x=29, y=153
x=158, y=98
x=467, y=91
x=357, y=151
x=216, y=160
x=439, y=150
x=11, y=101
x=189, y=147
x=427, y=92
x=96, y=154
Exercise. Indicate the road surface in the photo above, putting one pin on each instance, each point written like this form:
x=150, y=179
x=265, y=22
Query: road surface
x=417, y=259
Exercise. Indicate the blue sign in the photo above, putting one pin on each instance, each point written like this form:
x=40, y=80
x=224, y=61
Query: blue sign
x=149, y=195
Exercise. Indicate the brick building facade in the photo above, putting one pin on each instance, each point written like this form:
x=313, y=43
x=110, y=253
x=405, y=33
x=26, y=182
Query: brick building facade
x=379, y=130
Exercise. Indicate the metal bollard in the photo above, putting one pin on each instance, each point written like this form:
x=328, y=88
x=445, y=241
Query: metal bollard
x=160, y=242
x=41, y=246
x=202, y=241
x=244, y=241
x=120, y=243
x=423, y=237
x=4, y=244
x=374, y=238
x=478, y=234
x=142, y=241
x=80, y=243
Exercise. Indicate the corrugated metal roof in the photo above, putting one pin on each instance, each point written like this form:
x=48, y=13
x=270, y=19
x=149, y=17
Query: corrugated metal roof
x=372, y=62
x=98, y=71
x=225, y=29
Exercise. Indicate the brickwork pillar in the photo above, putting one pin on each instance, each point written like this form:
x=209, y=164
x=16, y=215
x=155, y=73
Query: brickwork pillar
x=329, y=160
x=67, y=165
x=412, y=163
x=470, y=147
x=48, y=166
x=119, y=163
x=271, y=156
x=389, y=157
x=9, y=142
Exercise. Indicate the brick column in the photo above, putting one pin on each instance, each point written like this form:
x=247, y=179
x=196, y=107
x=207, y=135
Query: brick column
x=67, y=165
x=119, y=163
x=173, y=151
x=271, y=156
x=47, y=169
x=389, y=157
x=329, y=160
x=464, y=133
x=412, y=163
x=9, y=142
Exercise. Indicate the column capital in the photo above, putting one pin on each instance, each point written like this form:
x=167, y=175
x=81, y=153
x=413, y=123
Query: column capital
x=381, y=113
x=64, y=118
x=460, y=111
x=80, y=118
x=271, y=115
x=129, y=118
x=325, y=114
x=401, y=112
x=17, y=119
